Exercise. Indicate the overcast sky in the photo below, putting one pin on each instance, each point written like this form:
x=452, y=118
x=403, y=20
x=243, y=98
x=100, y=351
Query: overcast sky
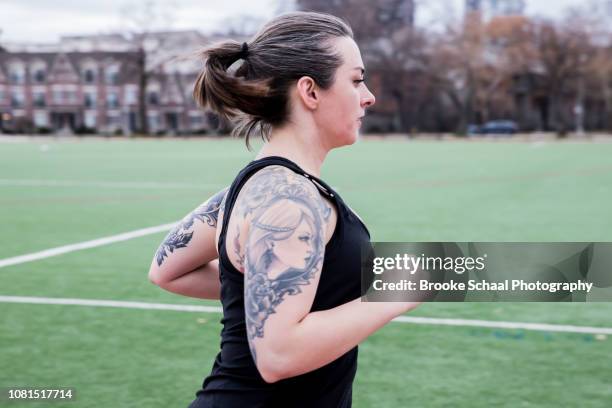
x=43, y=21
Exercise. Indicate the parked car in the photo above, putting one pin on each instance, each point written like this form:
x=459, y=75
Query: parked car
x=499, y=127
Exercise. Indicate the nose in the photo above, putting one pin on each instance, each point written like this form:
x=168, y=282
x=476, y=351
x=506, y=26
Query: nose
x=368, y=99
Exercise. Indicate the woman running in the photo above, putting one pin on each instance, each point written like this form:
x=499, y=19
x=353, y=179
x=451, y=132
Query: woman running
x=280, y=247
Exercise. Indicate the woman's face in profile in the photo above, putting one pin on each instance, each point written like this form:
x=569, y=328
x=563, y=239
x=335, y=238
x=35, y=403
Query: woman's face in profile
x=296, y=251
x=343, y=105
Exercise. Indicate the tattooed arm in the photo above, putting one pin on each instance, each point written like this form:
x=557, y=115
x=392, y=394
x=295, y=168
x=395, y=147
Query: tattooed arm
x=185, y=263
x=283, y=259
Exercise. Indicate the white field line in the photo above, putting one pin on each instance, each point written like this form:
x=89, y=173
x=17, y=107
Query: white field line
x=109, y=303
x=505, y=325
x=401, y=319
x=105, y=184
x=84, y=245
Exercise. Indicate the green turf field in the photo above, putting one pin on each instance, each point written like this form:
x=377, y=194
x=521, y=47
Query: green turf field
x=55, y=193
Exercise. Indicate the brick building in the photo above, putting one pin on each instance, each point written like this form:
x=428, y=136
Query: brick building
x=89, y=84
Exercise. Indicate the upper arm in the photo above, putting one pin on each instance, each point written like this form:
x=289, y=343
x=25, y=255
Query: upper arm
x=283, y=256
x=190, y=244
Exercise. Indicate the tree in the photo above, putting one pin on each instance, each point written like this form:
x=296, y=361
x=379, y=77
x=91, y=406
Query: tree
x=458, y=71
x=564, y=51
x=141, y=21
x=456, y=61
x=600, y=68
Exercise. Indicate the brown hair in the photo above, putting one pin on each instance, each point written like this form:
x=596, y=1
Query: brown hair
x=287, y=48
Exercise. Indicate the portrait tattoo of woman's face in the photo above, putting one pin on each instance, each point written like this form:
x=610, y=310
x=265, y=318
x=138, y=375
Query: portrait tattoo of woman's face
x=284, y=241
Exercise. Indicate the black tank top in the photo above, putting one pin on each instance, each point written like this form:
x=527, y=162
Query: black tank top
x=235, y=380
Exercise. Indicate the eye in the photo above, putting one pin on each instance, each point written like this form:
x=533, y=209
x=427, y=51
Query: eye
x=358, y=81
x=304, y=238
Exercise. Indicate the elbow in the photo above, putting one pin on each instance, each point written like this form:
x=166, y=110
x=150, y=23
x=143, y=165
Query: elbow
x=155, y=277
x=269, y=377
x=273, y=367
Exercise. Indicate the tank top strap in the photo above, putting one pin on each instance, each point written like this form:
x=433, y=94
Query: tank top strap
x=251, y=169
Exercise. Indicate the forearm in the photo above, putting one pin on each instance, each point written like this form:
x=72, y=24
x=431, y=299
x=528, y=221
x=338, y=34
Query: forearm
x=201, y=283
x=321, y=337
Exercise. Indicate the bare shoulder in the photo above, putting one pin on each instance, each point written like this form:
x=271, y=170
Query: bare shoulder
x=275, y=195
x=275, y=183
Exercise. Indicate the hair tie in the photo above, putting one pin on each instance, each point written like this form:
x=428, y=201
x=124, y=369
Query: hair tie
x=244, y=51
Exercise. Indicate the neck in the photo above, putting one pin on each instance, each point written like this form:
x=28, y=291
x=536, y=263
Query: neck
x=302, y=147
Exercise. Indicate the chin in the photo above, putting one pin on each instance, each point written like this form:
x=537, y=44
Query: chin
x=353, y=139
x=344, y=138
x=354, y=136
x=349, y=138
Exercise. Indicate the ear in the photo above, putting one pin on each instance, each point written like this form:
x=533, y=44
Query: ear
x=308, y=92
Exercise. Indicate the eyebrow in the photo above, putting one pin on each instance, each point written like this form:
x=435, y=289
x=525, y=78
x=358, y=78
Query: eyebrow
x=361, y=69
